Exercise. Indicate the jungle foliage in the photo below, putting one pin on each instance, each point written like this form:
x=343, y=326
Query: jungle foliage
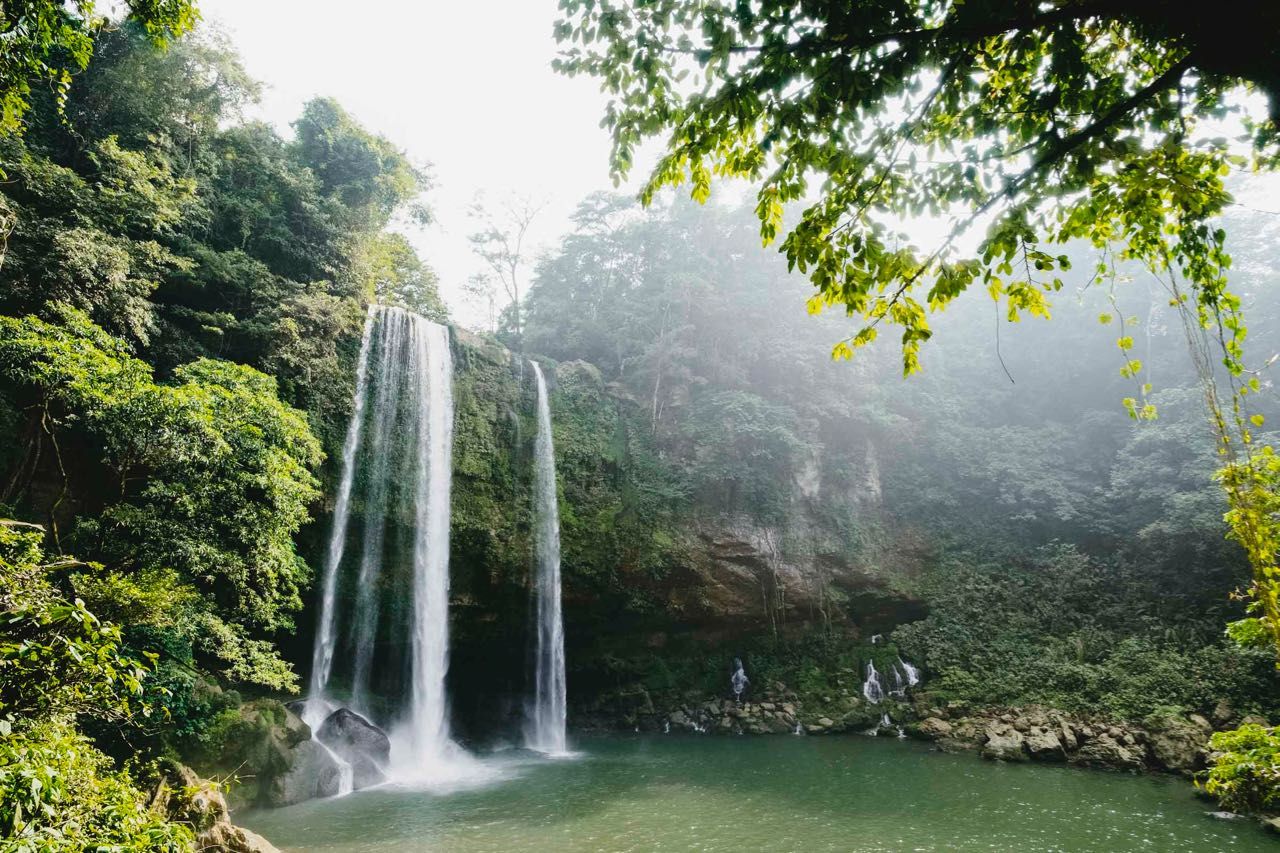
x=1047, y=124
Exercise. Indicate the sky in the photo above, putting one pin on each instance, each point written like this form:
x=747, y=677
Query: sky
x=466, y=87
x=469, y=89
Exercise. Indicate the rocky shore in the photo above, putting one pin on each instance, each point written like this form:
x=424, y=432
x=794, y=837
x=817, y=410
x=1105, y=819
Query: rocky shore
x=1171, y=742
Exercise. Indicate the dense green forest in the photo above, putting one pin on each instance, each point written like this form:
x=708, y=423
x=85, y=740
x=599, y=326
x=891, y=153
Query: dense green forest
x=182, y=288
x=182, y=298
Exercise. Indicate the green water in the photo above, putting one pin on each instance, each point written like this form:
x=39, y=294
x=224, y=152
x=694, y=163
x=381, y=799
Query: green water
x=773, y=793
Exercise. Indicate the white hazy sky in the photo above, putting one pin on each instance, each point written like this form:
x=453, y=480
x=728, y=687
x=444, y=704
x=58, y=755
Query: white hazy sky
x=467, y=87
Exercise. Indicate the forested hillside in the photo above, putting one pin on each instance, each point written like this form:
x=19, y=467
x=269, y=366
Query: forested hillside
x=1028, y=533
x=182, y=291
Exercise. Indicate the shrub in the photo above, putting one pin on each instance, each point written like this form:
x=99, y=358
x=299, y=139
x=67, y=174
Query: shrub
x=1245, y=770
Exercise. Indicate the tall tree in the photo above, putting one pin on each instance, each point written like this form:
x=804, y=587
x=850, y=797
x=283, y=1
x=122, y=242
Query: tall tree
x=500, y=242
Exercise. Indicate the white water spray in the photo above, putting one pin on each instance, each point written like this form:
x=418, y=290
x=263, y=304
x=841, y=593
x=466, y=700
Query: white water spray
x=871, y=688
x=431, y=367
x=548, y=730
x=326, y=629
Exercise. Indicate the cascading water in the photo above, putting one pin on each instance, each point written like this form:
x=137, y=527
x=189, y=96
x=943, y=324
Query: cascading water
x=871, y=688
x=432, y=366
x=548, y=725
x=397, y=467
x=913, y=674
x=326, y=629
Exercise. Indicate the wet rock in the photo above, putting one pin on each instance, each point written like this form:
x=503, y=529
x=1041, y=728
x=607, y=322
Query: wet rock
x=1003, y=743
x=348, y=734
x=313, y=773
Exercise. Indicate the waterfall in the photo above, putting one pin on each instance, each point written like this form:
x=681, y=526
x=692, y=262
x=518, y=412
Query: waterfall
x=913, y=674
x=871, y=688
x=397, y=466
x=548, y=732
x=326, y=628
x=432, y=367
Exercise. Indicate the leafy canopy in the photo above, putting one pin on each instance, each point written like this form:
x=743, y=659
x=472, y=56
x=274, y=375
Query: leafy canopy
x=1061, y=121
x=210, y=476
x=45, y=42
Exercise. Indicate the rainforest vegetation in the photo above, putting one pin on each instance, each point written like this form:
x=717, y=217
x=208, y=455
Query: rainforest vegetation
x=1043, y=513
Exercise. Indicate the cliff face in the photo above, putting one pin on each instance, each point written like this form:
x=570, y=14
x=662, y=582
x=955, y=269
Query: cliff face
x=655, y=565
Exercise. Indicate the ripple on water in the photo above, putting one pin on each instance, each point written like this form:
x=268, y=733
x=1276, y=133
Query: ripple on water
x=862, y=795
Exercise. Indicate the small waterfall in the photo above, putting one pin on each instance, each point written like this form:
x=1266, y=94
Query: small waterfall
x=871, y=688
x=548, y=733
x=346, y=776
x=913, y=674
x=326, y=629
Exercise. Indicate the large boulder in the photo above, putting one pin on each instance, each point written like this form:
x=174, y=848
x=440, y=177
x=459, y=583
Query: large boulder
x=1107, y=751
x=314, y=772
x=1178, y=744
x=183, y=797
x=360, y=743
x=1043, y=744
x=934, y=728
x=255, y=743
x=1004, y=743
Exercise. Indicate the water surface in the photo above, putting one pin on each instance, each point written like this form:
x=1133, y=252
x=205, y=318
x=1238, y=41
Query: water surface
x=769, y=793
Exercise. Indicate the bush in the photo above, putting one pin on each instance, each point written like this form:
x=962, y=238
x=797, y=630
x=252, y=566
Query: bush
x=1245, y=771
x=58, y=793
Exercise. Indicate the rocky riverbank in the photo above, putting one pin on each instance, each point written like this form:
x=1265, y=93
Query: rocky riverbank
x=1169, y=742
x=1162, y=742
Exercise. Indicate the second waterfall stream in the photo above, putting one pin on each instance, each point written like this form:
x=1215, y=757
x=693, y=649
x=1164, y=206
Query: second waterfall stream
x=547, y=725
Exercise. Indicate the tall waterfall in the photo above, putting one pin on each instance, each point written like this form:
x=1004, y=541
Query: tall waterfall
x=396, y=469
x=326, y=629
x=548, y=731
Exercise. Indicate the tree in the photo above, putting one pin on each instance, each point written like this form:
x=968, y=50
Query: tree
x=500, y=243
x=1049, y=123
x=46, y=41
x=208, y=475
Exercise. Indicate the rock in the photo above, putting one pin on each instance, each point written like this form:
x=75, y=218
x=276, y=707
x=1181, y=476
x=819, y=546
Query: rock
x=1178, y=744
x=1022, y=724
x=934, y=728
x=1043, y=745
x=1272, y=823
x=1223, y=713
x=789, y=708
x=183, y=797
x=314, y=773
x=1255, y=720
x=826, y=722
x=726, y=724
x=767, y=706
x=1106, y=751
x=1067, y=737
x=348, y=734
x=1003, y=743
x=815, y=730
x=678, y=718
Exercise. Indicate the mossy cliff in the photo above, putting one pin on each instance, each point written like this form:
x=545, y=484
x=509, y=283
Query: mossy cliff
x=659, y=577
